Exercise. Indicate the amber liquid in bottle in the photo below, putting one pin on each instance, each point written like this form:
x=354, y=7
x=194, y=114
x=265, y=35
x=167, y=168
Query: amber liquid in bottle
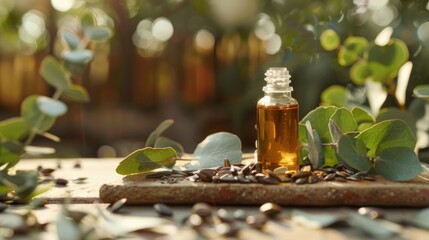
x=277, y=128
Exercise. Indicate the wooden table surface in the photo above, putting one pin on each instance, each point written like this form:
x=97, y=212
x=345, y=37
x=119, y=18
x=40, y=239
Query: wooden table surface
x=100, y=171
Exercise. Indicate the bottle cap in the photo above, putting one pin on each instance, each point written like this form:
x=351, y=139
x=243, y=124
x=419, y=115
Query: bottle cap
x=278, y=79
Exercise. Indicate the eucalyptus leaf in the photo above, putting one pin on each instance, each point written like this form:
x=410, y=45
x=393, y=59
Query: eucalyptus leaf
x=315, y=149
x=398, y=164
x=421, y=219
x=331, y=158
x=353, y=153
x=81, y=56
x=335, y=95
x=344, y=120
x=70, y=39
x=67, y=229
x=54, y=74
x=11, y=220
x=422, y=91
x=360, y=72
x=329, y=40
x=87, y=19
x=395, y=113
x=98, y=33
x=10, y=153
x=23, y=182
x=392, y=56
x=387, y=134
x=35, y=150
x=353, y=49
x=147, y=159
x=313, y=221
x=32, y=115
x=51, y=107
x=319, y=119
x=335, y=131
x=164, y=125
x=75, y=68
x=76, y=93
x=372, y=227
x=163, y=142
x=212, y=151
x=362, y=116
x=14, y=128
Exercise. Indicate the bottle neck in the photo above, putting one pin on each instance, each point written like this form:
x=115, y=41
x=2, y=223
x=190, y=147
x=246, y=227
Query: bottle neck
x=278, y=94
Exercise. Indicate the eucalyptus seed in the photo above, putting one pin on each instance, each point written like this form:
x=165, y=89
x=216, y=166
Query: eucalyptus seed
x=61, y=182
x=243, y=179
x=256, y=222
x=329, y=177
x=228, y=179
x=224, y=215
x=216, y=179
x=202, y=209
x=340, y=179
x=273, y=175
x=287, y=179
x=226, y=162
x=204, y=177
x=117, y=206
x=163, y=210
x=158, y=174
x=280, y=170
x=252, y=178
x=79, y=179
x=301, y=174
x=47, y=171
x=77, y=165
x=354, y=177
x=258, y=167
x=313, y=179
x=270, y=210
x=289, y=173
x=195, y=221
x=341, y=174
x=245, y=170
x=302, y=180
x=369, y=178
x=239, y=215
x=227, y=230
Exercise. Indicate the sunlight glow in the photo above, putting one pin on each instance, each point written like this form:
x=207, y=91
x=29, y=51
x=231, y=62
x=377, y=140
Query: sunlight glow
x=62, y=5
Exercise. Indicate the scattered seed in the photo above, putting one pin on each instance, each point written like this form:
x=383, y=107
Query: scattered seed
x=258, y=167
x=302, y=180
x=227, y=230
x=163, y=210
x=329, y=177
x=280, y=170
x=47, y=171
x=270, y=210
x=61, y=182
x=79, y=179
x=77, y=165
x=301, y=174
x=369, y=178
x=239, y=214
x=224, y=215
x=116, y=206
x=340, y=179
x=202, y=209
x=256, y=222
x=313, y=179
x=372, y=213
x=226, y=162
x=195, y=221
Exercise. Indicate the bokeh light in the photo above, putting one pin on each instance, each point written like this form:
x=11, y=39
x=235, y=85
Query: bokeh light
x=273, y=45
x=204, y=40
x=384, y=16
x=423, y=32
x=62, y=5
x=265, y=28
x=162, y=29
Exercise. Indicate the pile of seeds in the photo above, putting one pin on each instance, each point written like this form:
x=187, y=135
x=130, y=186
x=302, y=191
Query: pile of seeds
x=253, y=173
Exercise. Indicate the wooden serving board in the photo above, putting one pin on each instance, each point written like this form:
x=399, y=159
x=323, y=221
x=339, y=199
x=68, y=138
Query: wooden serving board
x=139, y=190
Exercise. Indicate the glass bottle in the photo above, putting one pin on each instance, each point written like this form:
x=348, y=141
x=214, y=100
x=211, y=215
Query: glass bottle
x=277, y=122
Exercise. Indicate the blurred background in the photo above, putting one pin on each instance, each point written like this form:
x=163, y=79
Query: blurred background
x=198, y=62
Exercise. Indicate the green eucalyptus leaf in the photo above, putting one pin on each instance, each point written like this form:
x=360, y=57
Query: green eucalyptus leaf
x=422, y=91
x=360, y=72
x=395, y=113
x=344, y=120
x=98, y=33
x=147, y=159
x=319, y=119
x=66, y=227
x=387, y=134
x=315, y=149
x=352, y=50
x=379, y=72
x=372, y=227
x=164, y=125
x=82, y=56
x=76, y=93
x=335, y=131
x=87, y=19
x=421, y=219
x=75, y=68
x=331, y=158
x=163, y=142
x=23, y=183
x=353, y=153
x=329, y=40
x=362, y=116
x=335, y=95
x=33, y=116
x=313, y=221
x=392, y=56
x=14, y=128
x=54, y=74
x=398, y=164
x=51, y=107
x=302, y=134
x=212, y=151
x=10, y=153
x=70, y=39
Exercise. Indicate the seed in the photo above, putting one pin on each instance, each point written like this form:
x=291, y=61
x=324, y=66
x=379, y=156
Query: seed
x=246, y=169
x=369, y=178
x=289, y=173
x=306, y=168
x=216, y=179
x=224, y=215
x=228, y=179
x=159, y=174
x=163, y=210
x=340, y=179
x=354, y=177
x=313, y=179
x=301, y=174
x=204, y=177
x=256, y=222
x=287, y=179
x=270, y=210
x=341, y=174
x=227, y=230
x=302, y=180
x=195, y=221
x=243, y=179
x=39, y=168
x=202, y=209
x=280, y=170
x=77, y=165
x=208, y=171
x=226, y=162
x=47, y=171
x=116, y=206
x=79, y=179
x=239, y=214
x=329, y=177
x=273, y=175
x=61, y=182
x=252, y=178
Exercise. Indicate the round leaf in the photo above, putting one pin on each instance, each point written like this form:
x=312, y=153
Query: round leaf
x=212, y=151
x=422, y=91
x=353, y=153
x=344, y=120
x=163, y=142
x=98, y=33
x=147, y=159
x=87, y=19
x=392, y=56
x=398, y=164
x=70, y=39
x=150, y=141
x=387, y=134
x=76, y=93
x=335, y=95
x=75, y=68
x=14, y=128
x=329, y=40
x=32, y=115
x=353, y=49
x=360, y=72
x=362, y=116
x=51, y=107
x=10, y=153
x=395, y=113
x=54, y=74
x=78, y=56
x=319, y=119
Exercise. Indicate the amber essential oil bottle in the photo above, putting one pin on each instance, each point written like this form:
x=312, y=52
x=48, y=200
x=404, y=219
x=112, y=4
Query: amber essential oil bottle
x=277, y=122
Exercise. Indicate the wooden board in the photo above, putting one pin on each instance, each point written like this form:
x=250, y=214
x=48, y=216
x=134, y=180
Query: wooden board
x=139, y=190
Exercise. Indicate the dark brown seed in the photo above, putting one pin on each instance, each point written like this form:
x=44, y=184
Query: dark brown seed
x=226, y=162
x=273, y=175
x=252, y=178
x=204, y=177
x=252, y=166
x=329, y=170
x=246, y=169
x=329, y=177
x=269, y=180
x=163, y=210
x=228, y=179
x=340, y=179
x=243, y=179
x=39, y=168
x=287, y=179
x=47, y=171
x=202, y=209
x=117, y=206
x=254, y=172
x=195, y=221
x=224, y=215
x=313, y=179
x=227, y=230
x=289, y=173
x=208, y=171
x=301, y=174
x=256, y=222
x=233, y=170
x=369, y=178
x=223, y=172
x=341, y=174
x=61, y=182
x=302, y=180
x=270, y=210
x=354, y=177
x=240, y=165
x=349, y=171
x=79, y=179
x=216, y=179
x=239, y=215
x=77, y=165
